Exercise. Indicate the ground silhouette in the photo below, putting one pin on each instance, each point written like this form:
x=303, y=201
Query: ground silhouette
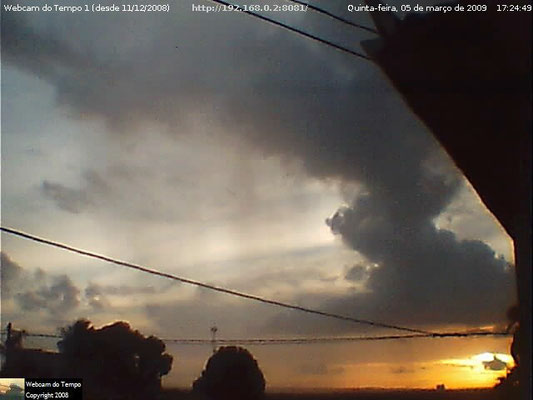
x=356, y=394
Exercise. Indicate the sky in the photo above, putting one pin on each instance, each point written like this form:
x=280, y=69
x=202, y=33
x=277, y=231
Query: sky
x=226, y=150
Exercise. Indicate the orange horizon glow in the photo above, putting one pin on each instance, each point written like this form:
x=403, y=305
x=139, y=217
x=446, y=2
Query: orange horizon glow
x=463, y=373
x=455, y=374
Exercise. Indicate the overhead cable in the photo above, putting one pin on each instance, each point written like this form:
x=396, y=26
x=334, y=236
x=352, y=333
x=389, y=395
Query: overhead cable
x=292, y=29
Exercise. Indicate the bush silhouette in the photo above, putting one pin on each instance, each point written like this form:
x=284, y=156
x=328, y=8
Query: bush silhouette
x=231, y=374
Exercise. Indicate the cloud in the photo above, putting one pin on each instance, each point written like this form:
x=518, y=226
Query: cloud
x=76, y=200
x=303, y=102
x=10, y=274
x=37, y=290
x=402, y=370
x=98, y=295
x=125, y=290
x=60, y=295
x=51, y=296
x=422, y=269
x=357, y=273
x=26, y=45
x=66, y=198
x=495, y=364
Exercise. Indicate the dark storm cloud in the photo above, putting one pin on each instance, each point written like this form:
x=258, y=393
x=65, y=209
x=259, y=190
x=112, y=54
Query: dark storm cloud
x=423, y=269
x=44, y=55
x=429, y=281
x=301, y=101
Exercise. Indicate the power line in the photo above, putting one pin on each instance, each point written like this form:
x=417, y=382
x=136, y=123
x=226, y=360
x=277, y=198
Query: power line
x=208, y=286
x=336, y=17
x=318, y=340
x=308, y=340
x=296, y=30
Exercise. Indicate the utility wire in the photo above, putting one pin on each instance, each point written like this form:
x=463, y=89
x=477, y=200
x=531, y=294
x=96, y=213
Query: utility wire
x=208, y=286
x=325, y=12
x=316, y=340
x=296, y=30
x=306, y=340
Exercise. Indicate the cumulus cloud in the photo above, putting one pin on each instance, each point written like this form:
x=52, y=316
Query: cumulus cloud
x=423, y=269
x=415, y=273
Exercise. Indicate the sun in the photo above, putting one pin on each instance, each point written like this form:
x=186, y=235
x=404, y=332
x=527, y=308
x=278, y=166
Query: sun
x=484, y=369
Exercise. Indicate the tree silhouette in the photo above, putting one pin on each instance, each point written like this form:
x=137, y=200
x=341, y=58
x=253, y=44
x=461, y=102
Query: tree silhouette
x=231, y=374
x=114, y=361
